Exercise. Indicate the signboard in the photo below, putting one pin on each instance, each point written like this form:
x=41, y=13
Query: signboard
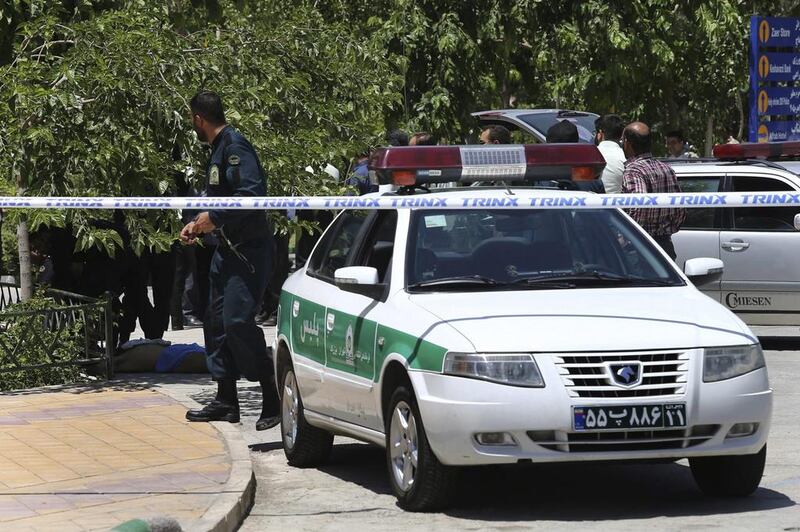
x=778, y=101
x=777, y=32
x=774, y=79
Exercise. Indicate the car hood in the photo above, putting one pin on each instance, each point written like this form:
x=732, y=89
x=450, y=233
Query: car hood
x=587, y=319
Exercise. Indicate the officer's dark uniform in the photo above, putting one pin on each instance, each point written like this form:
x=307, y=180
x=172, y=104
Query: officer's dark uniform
x=241, y=264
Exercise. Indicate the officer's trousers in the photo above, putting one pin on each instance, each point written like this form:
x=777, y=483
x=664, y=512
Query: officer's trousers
x=235, y=345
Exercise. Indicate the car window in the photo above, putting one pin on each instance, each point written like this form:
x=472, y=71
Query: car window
x=507, y=246
x=333, y=252
x=762, y=218
x=379, y=244
x=541, y=122
x=699, y=218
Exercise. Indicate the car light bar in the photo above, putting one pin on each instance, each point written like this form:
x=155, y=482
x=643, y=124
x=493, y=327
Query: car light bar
x=420, y=165
x=756, y=150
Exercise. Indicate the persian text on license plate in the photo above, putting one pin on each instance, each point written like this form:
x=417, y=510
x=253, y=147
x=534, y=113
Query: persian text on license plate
x=629, y=417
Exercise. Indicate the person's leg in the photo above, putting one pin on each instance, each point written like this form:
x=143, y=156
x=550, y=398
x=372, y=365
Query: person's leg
x=244, y=339
x=225, y=406
x=179, y=281
x=665, y=241
x=162, y=275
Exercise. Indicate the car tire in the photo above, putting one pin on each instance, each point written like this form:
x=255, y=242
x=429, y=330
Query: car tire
x=429, y=484
x=303, y=444
x=729, y=476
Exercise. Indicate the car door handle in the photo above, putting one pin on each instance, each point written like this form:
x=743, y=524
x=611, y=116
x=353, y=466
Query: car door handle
x=735, y=245
x=329, y=321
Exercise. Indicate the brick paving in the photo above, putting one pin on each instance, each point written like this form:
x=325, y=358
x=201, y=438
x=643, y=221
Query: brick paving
x=89, y=458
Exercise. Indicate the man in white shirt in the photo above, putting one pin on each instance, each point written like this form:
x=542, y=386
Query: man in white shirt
x=608, y=131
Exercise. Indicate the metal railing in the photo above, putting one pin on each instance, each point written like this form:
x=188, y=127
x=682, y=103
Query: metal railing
x=69, y=330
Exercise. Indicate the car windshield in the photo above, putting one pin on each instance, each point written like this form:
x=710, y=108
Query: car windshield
x=531, y=249
x=541, y=122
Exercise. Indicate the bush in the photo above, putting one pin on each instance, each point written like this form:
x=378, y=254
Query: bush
x=38, y=346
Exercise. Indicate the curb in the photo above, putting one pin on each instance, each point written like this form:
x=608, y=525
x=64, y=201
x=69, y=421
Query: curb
x=236, y=497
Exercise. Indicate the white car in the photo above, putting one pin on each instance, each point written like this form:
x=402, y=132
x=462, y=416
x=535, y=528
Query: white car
x=760, y=245
x=468, y=336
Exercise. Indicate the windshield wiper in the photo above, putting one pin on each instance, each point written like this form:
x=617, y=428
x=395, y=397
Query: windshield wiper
x=457, y=281
x=594, y=277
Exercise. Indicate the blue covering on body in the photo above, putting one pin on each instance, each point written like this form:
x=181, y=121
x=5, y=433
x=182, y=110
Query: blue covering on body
x=172, y=356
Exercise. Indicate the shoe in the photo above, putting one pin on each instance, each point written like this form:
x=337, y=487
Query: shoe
x=190, y=322
x=215, y=411
x=265, y=423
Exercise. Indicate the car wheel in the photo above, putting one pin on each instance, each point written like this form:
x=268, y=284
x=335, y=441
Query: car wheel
x=729, y=476
x=419, y=481
x=303, y=444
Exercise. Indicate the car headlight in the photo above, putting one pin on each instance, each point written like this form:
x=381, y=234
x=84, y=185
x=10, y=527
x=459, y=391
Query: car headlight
x=518, y=369
x=720, y=363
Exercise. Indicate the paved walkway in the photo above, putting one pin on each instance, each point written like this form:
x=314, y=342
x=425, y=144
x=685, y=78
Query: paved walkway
x=86, y=458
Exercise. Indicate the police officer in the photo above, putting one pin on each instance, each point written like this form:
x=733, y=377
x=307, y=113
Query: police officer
x=240, y=268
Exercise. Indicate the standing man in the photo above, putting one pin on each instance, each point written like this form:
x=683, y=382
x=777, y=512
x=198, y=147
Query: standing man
x=644, y=174
x=240, y=268
x=607, y=135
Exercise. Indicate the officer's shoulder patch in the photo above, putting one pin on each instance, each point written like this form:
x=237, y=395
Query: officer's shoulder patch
x=234, y=160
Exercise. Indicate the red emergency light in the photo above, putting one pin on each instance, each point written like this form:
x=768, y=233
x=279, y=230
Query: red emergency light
x=756, y=150
x=419, y=165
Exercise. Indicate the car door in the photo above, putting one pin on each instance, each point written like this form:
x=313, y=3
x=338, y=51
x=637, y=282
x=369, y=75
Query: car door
x=700, y=232
x=309, y=308
x=761, y=251
x=351, y=329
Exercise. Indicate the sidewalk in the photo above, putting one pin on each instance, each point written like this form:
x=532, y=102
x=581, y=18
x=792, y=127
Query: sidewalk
x=92, y=457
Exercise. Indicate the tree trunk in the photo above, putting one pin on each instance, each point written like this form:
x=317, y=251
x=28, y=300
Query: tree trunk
x=709, y=135
x=25, y=273
x=740, y=107
x=23, y=244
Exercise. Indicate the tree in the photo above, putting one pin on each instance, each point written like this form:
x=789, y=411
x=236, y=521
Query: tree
x=97, y=105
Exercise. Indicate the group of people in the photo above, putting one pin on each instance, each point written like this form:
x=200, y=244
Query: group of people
x=630, y=167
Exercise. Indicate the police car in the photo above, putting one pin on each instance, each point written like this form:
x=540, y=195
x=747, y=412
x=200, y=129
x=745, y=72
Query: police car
x=759, y=243
x=464, y=328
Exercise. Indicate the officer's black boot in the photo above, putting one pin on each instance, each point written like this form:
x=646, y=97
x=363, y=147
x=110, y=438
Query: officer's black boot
x=225, y=407
x=270, y=406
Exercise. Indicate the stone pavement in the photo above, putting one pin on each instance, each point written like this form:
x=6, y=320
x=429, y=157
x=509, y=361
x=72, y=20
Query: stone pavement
x=91, y=457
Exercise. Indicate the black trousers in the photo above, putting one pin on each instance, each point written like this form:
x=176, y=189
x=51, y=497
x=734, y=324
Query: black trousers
x=235, y=345
x=159, y=269
x=665, y=241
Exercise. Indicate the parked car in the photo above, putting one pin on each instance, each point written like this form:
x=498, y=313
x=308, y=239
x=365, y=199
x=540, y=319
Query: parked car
x=759, y=245
x=536, y=122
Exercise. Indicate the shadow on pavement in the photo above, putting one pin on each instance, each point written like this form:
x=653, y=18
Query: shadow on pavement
x=560, y=492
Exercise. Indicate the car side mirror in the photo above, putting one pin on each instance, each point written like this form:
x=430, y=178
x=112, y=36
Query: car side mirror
x=797, y=221
x=359, y=280
x=703, y=270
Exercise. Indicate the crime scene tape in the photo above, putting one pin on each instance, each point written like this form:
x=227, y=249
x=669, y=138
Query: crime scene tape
x=500, y=199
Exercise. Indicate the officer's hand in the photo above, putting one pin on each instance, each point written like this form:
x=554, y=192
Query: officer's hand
x=203, y=224
x=188, y=235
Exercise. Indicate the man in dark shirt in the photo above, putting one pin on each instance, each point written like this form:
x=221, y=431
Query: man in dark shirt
x=644, y=174
x=240, y=268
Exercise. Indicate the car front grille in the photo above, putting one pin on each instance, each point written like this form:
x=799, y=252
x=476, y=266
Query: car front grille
x=623, y=440
x=587, y=374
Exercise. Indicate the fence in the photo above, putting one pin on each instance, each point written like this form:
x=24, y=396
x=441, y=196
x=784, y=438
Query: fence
x=65, y=330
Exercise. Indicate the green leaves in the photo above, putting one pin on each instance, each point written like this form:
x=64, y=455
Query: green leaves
x=96, y=103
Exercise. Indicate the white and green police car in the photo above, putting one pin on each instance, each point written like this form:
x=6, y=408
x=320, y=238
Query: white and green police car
x=480, y=334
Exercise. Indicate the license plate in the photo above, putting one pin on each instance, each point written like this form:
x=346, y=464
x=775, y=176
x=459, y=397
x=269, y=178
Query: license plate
x=628, y=417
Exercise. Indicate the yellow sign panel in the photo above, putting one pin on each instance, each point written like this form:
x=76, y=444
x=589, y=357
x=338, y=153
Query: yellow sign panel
x=763, y=32
x=763, y=133
x=763, y=102
x=763, y=67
